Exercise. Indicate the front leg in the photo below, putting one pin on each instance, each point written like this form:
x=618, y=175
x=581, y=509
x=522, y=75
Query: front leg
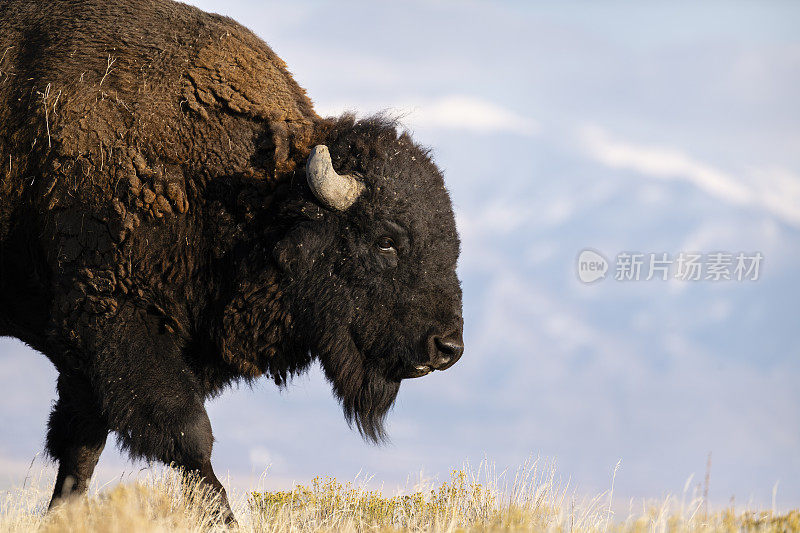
x=76, y=436
x=153, y=400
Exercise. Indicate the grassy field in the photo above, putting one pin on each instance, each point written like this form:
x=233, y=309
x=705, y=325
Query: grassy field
x=534, y=499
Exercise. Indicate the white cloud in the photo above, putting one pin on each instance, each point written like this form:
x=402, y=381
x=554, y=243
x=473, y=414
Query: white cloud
x=776, y=191
x=779, y=191
x=662, y=162
x=261, y=458
x=471, y=114
x=453, y=112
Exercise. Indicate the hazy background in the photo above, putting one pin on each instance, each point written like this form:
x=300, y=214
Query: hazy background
x=670, y=128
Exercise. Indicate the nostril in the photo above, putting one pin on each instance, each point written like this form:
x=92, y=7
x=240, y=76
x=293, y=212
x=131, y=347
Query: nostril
x=448, y=350
x=448, y=347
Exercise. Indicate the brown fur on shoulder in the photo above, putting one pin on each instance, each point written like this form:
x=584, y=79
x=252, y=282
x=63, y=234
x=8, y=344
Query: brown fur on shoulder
x=166, y=78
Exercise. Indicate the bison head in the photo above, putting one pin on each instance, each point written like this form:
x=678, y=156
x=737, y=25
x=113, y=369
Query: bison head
x=371, y=257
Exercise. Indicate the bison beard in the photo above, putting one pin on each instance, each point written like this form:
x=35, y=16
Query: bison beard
x=365, y=392
x=366, y=396
x=185, y=220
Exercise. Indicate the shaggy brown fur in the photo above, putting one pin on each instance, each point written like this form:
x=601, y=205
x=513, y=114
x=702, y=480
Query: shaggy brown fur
x=128, y=116
x=158, y=239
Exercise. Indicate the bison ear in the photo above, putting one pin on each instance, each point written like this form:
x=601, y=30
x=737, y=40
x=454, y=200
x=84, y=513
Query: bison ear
x=297, y=252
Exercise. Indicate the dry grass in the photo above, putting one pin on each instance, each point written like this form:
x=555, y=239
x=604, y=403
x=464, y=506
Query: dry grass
x=534, y=499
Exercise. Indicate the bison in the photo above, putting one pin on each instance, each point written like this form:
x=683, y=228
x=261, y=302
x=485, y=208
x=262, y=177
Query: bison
x=175, y=217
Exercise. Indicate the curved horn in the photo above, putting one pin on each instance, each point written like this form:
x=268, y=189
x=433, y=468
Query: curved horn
x=334, y=190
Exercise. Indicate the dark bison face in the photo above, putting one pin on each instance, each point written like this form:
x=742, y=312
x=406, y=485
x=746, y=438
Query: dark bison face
x=379, y=300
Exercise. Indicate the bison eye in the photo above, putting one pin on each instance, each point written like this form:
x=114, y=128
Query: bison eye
x=386, y=244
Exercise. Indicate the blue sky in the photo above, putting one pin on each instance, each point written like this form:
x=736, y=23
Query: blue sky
x=559, y=127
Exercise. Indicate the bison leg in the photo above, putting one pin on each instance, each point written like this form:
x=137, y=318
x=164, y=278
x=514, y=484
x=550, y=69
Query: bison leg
x=183, y=439
x=154, y=401
x=75, y=438
x=194, y=455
